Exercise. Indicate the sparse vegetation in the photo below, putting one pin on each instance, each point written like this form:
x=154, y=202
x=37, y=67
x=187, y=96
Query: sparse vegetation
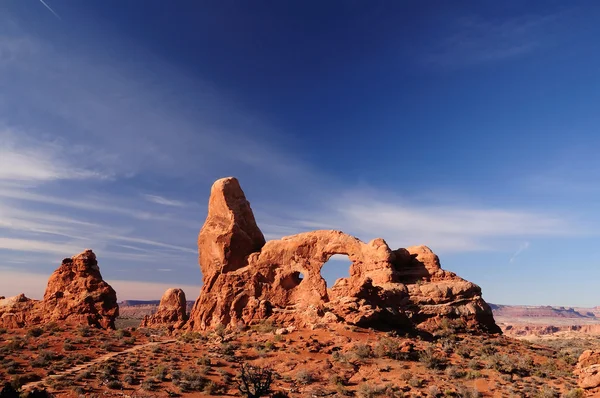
x=254, y=382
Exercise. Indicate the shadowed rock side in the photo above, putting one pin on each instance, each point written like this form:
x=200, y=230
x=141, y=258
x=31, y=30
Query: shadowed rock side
x=76, y=293
x=247, y=280
x=171, y=311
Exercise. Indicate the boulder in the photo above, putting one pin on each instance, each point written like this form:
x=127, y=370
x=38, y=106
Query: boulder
x=171, y=311
x=247, y=280
x=588, y=370
x=76, y=293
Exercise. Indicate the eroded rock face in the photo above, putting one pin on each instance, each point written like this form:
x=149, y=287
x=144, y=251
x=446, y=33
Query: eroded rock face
x=76, y=293
x=248, y=280
x=588, y=370
x=171, y=311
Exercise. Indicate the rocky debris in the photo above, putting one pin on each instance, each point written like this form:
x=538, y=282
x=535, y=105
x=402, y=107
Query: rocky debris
x=76, y=293
x=171, y=311
x=248, y=280
x=588, y=370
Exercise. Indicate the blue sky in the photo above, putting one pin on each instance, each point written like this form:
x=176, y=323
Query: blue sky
x=471, y=127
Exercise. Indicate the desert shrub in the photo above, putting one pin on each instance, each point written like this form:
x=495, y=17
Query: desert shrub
x=114, y=385
x=19, y=380
x=43, y=345
x=226, y=376
x=210, y=388
x=44, y=359
x=220, y=330
x=337, y=380
x=305, y=377
x=84, y=331
x=122, y=333
x=190, y=381
x=547, y=392
x=416, y=382
x=454, y=373
x=265, y=326
x=474, y=364
x=86, y=374
x=130, y=379
x=464, y=351
x=150, y=384
x=339, y=356
x=228, y=350
x=575, y=393
x=473, y=374
x=362, y=351
x=35, y=332
x=433, y=392
x=510, y=365
x=389, y=348
x=432, y=360
x=466, y=392
x=67, y=346
x=448, y=327
x=369, y=391
x=203, y=360
x=52, y=328
x=254, y=382
x=192, y=337
x=160, y=372
x=488, y=349
x=17, y=343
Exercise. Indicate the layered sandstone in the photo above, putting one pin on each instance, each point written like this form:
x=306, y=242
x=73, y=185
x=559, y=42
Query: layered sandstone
x=588, y=370
x=247, y=279
x=76, y=293
x=171, y=311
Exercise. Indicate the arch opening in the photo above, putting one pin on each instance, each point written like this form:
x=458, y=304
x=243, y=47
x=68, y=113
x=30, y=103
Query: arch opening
x=292, y=281
x=338, y=266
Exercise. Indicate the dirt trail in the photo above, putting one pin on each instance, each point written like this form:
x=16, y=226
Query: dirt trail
x=95, y=361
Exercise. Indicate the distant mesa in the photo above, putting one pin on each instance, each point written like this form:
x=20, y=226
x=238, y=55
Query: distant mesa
x=76, y=293
x=248, y=280
x=171, y=311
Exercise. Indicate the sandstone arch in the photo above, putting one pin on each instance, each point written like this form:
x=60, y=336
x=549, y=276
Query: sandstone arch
x=247, y=279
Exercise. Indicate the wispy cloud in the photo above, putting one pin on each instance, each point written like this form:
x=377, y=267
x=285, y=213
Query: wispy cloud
x=475, y=40
x=164, y=201
x=23, y=158
x=448, y=228
x=524, y=246
x=50, y=9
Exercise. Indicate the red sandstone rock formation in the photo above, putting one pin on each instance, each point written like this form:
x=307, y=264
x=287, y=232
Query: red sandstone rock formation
x=171, y=311
x=248, y=280
x=76, y=293
x=588, y=370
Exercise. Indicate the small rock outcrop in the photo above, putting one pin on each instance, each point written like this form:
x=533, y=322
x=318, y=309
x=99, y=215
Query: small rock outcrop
x=588, y=370
x=76, y=293
x=171, y=311
x=247, y=280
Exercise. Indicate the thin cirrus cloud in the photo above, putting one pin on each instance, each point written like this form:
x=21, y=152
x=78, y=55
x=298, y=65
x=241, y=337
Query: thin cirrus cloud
x=26, y=159
x=476, y=40
x=524, y=246
x=445, y=228
x=164, y=201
